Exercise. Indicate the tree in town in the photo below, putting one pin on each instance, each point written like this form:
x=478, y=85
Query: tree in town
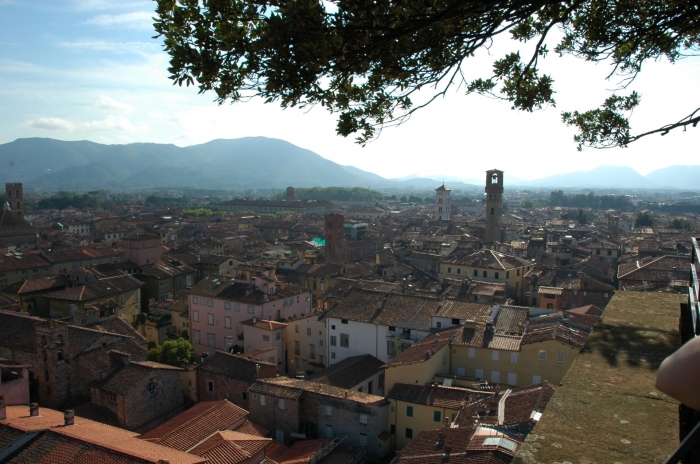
x=365, y=60
x=644, y=219
x=173, y=352
x=680, y=224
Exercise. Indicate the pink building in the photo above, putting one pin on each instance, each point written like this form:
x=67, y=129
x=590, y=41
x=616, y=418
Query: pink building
x=229, y=314
x=14, y=382
x=144, y=249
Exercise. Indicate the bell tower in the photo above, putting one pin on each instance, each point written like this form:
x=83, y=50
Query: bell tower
x=14, y=194
x=494, y=203
x=442, y=203
x=52, y=370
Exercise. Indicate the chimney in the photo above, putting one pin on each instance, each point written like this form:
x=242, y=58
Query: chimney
x=34, y=410
x=380, y=304
x=204, y=357
x=68, y=417
x=3, y=410
x=447, y=449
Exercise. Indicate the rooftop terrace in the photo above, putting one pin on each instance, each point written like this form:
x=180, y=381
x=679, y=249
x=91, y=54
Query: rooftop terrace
x=607, y=409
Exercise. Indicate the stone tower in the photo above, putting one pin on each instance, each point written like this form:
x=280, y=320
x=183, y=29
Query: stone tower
x=334, y=238
x=442, y=203
x=52, y=370
x=290, y=193
x=15, y=196
x=494, y=203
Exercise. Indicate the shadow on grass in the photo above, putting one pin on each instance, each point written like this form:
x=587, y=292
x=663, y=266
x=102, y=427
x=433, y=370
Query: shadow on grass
x=636, y=346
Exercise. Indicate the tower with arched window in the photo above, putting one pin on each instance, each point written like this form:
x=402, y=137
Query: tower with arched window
x=14, y=194
x=442, y=203
x=494, y=203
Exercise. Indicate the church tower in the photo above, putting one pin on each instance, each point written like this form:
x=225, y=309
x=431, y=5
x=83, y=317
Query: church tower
x=442, y=203
x=494, y=203
x=14, y=195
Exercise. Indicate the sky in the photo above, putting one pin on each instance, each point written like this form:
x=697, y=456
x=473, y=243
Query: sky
x=91, y=70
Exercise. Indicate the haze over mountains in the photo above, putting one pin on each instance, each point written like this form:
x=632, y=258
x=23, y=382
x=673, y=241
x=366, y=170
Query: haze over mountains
x=258, y=162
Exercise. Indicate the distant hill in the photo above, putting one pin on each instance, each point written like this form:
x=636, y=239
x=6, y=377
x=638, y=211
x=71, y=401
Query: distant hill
x=621, y=177
x=258, y=162
x=680, y=177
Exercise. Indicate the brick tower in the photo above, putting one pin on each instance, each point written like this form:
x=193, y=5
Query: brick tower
x=334, y=238
x=494, y=203
x=14, y=193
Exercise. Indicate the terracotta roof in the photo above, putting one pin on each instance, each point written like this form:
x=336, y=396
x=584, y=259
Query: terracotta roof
x=488, y=259
x=230, y=365
x=228, y=447
x=86, y=436
x=36, y=285
x=253, y=429
x=522, y=402
x=348, y=372
x=197, y=423
x=463, y=310
x=425, y=349
x=284, y=387
x=102, y=288
x=97, y=413
x=123, y=379
x=432, y=395
x=19, y=331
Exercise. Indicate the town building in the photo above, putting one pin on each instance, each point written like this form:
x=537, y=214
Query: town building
x=443, y=207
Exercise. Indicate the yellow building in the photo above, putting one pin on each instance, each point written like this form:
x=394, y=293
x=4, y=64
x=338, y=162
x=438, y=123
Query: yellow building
x=488, y=266
x=123, y=292
x=305, y=338
x=417, y=408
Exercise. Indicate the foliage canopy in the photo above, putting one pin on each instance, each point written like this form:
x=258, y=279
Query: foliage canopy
x=172, y=352
x=366, y=59
x=644, y=219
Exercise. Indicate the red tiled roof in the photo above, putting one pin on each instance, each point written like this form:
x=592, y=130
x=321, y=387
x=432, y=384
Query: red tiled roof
x=192, y=426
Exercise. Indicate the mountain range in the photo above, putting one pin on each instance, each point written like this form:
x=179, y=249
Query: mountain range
x=257, y=162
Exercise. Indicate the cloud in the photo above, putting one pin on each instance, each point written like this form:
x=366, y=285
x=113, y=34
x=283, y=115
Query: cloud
x=134, y=20
x=115, y=47
x=52, y=124
x=162, y=116
x=115, y=123
x=107, y=103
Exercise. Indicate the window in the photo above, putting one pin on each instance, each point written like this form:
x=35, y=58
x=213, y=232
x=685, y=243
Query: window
x=343, y=321
x=344, y=340
x=484, y=274
x=227, y=305
x=459, y=270
x=308, y=331
x=237, y=307
x=244, y=396
x=409, y=433
x=476, y=273
x=536, y=379
x=332, y=354
x=210, y=386
x=188, y=280
x=438, y=324
x=210, y=319
x=437, y=416
x=495, y=376
x=363, y=439
x=122, y=299
x=195, y=300
x=514, y=357
x=479, y=373
x=494, y=355
x=393, y=429
x=329, y=411
x=195, y=336
x=363, y=419
x=280, y=403
x=262, y=400
x=517, y=272
x=329, y=431
x=472, y=352
x=455, y=321
x=320, y=343
x=195, y=315
x=320, y=359
x=333, y=340
x=251, y=309
x=211, y=340
x=507, y=274
x=296, y=328
x=409, y=411
x=560, y=357
x=228, y=343
x=278, y=335
x=449, y=270
x=390, y=348
x=112, y=398
x=312, y=351
x=210, y=303
x=227, y=322
x=266, y=338
x=332, y=327
x=495, y=274
x=297, y=350
x=152, y=386
x=542, y=356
